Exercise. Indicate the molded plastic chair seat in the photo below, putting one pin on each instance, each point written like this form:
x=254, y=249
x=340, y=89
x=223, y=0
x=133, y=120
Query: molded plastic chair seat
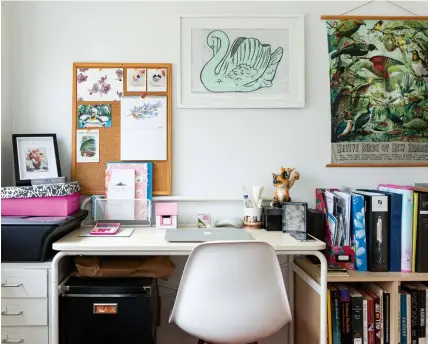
x=231, y=292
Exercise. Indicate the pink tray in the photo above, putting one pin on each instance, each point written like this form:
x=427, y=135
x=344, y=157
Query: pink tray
x=41, y=206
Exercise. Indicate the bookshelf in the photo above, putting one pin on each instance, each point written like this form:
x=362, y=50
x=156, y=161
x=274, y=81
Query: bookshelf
x=306, y=300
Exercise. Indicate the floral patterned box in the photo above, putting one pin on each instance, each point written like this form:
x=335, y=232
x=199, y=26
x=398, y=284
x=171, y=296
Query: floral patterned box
x=343, y=256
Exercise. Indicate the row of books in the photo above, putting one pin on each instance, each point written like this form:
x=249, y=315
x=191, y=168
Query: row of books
x=362, y=315
x=388, y=226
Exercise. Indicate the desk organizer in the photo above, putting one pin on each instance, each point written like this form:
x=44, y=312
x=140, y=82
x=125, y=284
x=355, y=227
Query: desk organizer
x=336, y=255
x=126, y=211
x=40, y=200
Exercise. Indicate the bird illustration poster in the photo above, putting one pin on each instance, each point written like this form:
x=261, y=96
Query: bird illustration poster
x=88, y=145
x=99, y=84
x=378, y=90
x=143, y=128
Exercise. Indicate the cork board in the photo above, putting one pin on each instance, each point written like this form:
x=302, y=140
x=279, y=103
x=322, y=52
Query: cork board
x=91, y=175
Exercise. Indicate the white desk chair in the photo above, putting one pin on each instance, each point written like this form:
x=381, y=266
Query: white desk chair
x=231, y=292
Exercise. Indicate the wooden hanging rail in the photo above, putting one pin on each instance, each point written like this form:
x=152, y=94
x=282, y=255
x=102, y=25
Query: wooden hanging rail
x=360, y=17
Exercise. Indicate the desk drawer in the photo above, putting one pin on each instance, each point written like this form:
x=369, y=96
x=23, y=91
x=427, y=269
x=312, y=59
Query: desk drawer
x=24, y=283
x=24, y=312
x=24, y=335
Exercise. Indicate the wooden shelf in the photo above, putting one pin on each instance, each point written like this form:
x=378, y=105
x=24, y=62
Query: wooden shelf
x=360, y=276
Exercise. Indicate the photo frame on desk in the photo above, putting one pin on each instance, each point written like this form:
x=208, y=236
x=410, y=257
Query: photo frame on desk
x=107, y=84
x=35, y=156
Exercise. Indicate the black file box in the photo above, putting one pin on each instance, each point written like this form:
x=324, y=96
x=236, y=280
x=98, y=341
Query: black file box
x=109, y=311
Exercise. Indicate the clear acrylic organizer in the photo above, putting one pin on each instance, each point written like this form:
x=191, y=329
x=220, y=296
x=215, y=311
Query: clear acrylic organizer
x=126, y=211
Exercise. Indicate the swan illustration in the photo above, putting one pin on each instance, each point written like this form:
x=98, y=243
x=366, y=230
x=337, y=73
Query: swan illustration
x=248, y=66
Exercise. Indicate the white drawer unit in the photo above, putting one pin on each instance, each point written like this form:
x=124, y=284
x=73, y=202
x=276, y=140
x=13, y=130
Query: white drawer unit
x=24, y=312
x=24, y=335
x=26, y=283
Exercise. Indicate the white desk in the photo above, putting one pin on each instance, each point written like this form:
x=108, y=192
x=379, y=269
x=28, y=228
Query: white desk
x=151, y=241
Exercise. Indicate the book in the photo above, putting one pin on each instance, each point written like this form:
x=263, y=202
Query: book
x=409, y=317
x=377, y=293
x=357, y=322
x=329, y=319
x=143, y=184
x=120, y=195
x=359, y=232
x=426, y=318
x=414, y=316
x=422, y=291
x=345, y=313
x=365, y=321
x=399, y=319
x=377, y=230
x=414, y=229
x=406, y=222
x=403, y=318
x=369, y=332
x=335, y=316
x=386, y=317
x=422, y=233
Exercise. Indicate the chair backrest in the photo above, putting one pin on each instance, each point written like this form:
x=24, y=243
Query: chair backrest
x=231, y=292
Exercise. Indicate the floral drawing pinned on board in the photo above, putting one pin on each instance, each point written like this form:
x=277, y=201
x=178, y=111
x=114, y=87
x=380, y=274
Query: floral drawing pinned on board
x=94, y=116
x=119, y=74
x=146, y=111
x=37, y=160
x=98, y=84
x=81, y=78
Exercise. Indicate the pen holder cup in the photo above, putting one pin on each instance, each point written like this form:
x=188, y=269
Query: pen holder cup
x=253, y=218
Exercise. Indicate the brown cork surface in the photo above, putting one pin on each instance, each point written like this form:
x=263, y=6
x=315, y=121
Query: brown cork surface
x=92, y=175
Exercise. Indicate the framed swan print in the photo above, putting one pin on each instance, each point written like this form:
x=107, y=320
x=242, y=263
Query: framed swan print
x=239, y=61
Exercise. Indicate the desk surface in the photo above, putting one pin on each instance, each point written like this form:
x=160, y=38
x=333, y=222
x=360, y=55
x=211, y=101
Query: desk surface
x=152, y=241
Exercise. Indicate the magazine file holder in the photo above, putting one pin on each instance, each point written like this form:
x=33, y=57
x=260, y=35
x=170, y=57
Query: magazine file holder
x=126, y=211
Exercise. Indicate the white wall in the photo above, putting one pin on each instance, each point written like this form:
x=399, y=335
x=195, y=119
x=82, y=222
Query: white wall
x=210, y=150
x=211, y=157
x=6, y=102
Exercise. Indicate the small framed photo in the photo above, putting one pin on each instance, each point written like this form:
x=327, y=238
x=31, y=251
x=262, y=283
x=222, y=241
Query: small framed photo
x=294, y=217
x=35, y=157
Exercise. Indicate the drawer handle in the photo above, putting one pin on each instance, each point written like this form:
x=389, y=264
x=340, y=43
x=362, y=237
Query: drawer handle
x=6, y=313
x=14, y=341
x=4, y=285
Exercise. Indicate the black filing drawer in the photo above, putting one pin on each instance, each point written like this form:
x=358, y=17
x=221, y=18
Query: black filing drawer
x=109, y=311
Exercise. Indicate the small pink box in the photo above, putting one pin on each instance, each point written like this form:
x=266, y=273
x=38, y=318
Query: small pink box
x=166, y=214
x=41, y=206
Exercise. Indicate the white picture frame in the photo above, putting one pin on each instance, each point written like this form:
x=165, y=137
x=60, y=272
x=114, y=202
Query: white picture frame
x=200, y=41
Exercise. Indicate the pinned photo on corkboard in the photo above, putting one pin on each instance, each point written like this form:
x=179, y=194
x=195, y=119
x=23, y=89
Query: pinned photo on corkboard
x=88, y=145
x=157, y=80
x=94, y=116
x=99, y=84
x=136, y=80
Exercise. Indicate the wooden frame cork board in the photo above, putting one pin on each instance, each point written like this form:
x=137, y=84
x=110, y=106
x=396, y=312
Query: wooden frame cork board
x=91, y=175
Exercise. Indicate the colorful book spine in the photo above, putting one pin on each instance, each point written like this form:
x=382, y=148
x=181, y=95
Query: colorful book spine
x=414, y=229
x=335, y=303
x=359, y=232
x=422, y=234
x=406, y=223
x=365, y=321
x=357, y=322
x=329, y=318
x=414, y=327
x=403, y=318
x=386, y=318
x=345, y=312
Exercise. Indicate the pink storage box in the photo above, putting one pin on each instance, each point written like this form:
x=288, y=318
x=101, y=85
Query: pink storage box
x=41, y=200
x=42, y=206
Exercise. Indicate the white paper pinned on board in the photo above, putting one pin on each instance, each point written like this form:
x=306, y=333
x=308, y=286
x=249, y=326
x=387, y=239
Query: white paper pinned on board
x=143, y=130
